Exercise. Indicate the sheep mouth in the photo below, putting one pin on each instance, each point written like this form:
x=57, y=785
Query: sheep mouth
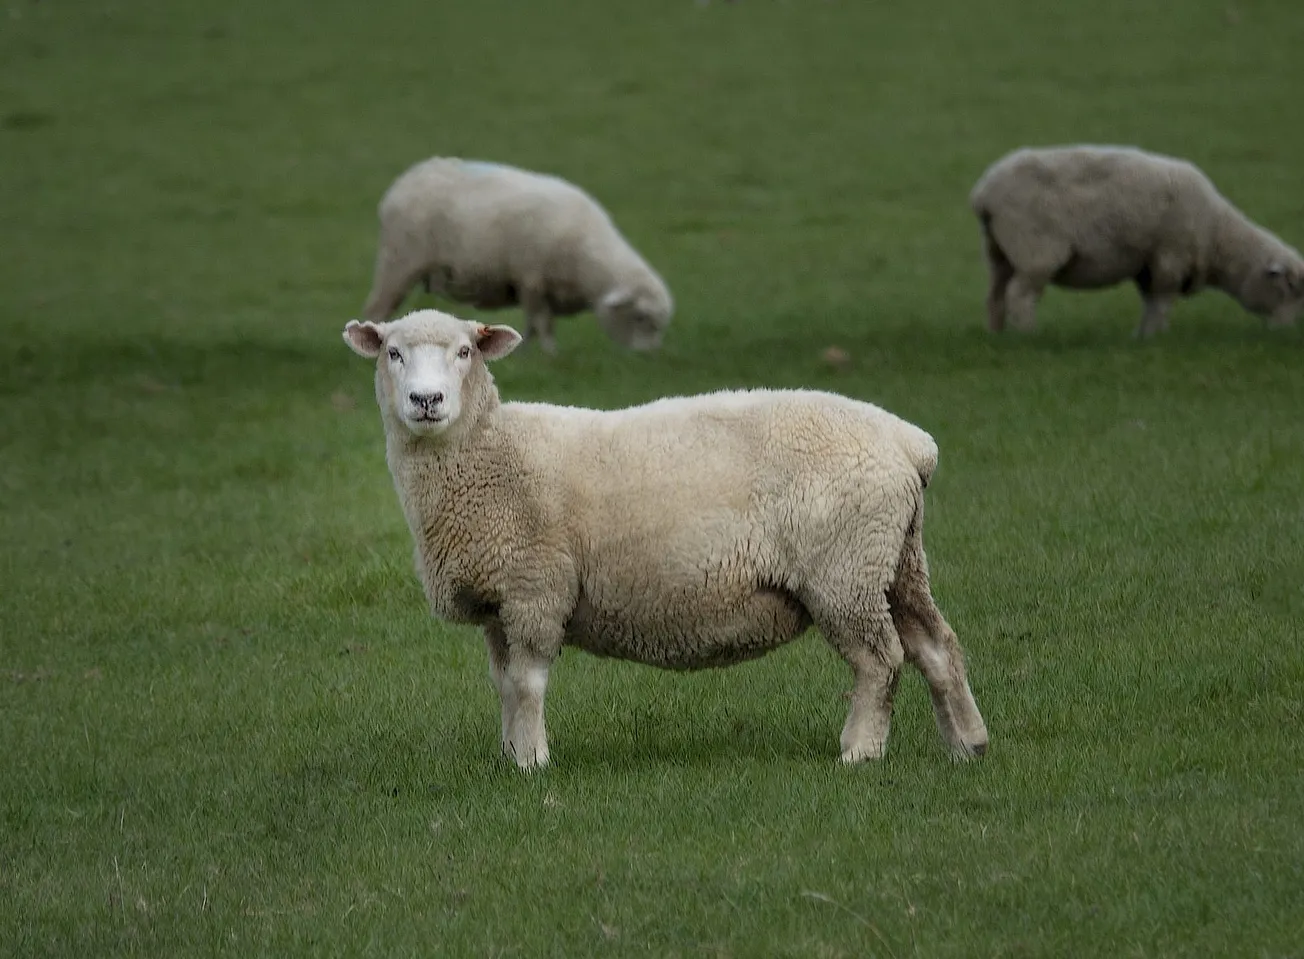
x=426, y=422
x=648, y=344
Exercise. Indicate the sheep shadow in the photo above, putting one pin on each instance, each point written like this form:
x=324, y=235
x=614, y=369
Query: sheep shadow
x=419, y=763
x=165, y=364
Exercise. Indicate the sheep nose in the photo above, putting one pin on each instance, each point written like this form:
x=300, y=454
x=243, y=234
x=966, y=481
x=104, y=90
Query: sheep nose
x=426, y=400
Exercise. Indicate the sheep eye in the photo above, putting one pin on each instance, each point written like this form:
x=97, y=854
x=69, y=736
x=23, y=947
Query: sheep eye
x=464, y=352
x=394, y=354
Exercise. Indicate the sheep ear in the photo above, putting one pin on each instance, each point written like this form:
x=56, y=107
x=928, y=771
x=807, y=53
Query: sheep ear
x=1287, y=281
x=495, y=342
x=365, y=339
x=616, y=298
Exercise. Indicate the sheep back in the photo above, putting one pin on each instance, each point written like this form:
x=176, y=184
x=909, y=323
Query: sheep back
x=1112, y=210
x=482, y=230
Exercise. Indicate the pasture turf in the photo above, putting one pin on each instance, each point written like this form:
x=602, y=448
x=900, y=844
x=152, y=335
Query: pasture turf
x=229, y=726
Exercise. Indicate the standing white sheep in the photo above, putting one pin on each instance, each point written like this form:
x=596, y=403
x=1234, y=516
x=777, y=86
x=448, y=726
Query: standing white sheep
x=495, y=236
x=687, y=533
x=1087, y=217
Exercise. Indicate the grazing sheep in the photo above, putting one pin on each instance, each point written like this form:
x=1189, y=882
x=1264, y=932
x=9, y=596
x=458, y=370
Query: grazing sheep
x=1087, y=217
x=687, y=533
x=495, y=236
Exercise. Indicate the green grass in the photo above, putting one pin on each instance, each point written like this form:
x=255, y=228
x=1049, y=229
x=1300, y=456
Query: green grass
x=227, y=724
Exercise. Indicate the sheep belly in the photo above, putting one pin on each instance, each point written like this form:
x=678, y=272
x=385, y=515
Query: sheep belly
x=688, y=629
x=1098, y=272
x=481, y=290
x=1105, y=254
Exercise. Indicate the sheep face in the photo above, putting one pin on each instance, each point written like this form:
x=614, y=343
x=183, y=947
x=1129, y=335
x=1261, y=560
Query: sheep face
x=423, y=362
x=1276, y=292
x=636, y=318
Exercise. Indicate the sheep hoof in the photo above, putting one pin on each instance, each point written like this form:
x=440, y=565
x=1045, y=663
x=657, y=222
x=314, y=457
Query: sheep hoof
x=529, y=759
x=874, y=749
x=963, y=752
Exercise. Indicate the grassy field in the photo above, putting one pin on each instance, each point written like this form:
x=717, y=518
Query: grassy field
x=227, y=723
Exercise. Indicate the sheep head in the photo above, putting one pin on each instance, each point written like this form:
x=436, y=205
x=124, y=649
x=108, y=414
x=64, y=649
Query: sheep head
x=1284, y=282
x=636, y=316
x=1273, y=286
x=427, y=365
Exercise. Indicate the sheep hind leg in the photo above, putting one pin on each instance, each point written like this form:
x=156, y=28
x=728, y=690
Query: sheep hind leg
x=869, y=644
x=1033, y=259
x=1021, y=295
x=932, y=647
x=1000, y=272
x=393, y=278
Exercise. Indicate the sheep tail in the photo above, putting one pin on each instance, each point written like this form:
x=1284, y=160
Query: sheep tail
x=922, y=451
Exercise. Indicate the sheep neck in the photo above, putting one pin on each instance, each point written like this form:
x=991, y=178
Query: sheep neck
x=605, y=264
x=430, y=470
x=1239, y=249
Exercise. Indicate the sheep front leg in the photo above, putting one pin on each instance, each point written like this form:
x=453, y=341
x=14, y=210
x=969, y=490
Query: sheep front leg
x=1154, y=319
x=496, y=642
x=1159, y=284
x=539, y=318
x=525, y=680
x=533, y=628
x=533, y=637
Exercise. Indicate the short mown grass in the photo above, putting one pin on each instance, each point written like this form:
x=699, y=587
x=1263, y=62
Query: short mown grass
x=227, y=723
